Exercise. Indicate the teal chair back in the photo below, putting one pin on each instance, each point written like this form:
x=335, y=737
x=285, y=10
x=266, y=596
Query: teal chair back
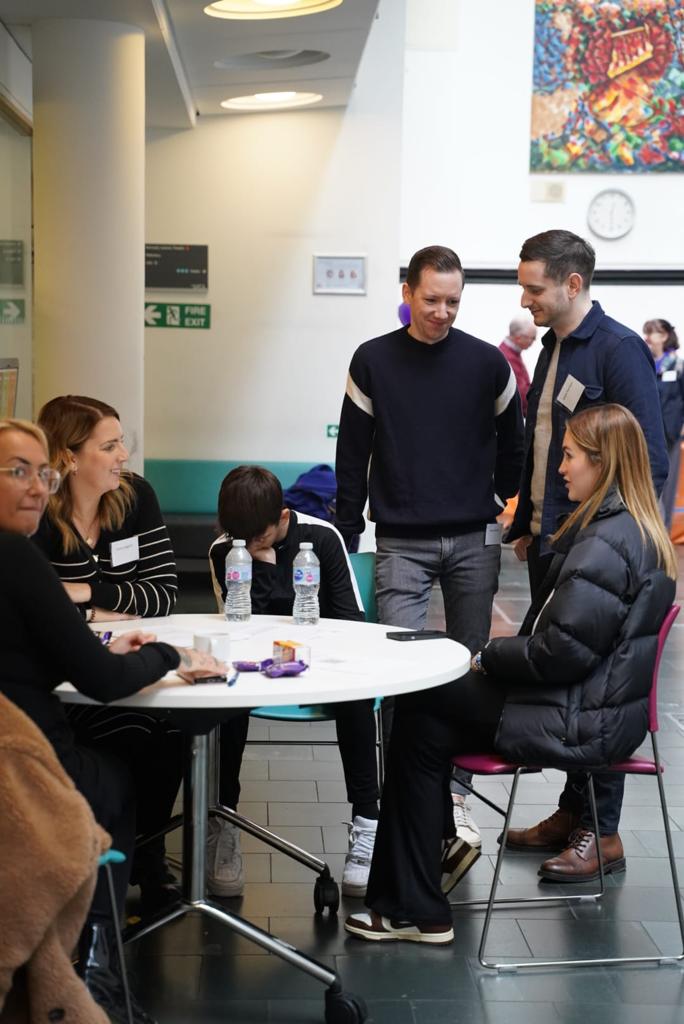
x=363, y=564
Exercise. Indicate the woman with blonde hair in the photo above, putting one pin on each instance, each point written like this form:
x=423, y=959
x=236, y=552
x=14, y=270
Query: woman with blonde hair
x=570, y=691
x=44, y=641
x=104, y=534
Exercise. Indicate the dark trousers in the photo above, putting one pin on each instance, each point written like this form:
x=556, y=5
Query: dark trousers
x=107, y=785
x=355, y=725
x=609, y=789
x=152, y=750
x=416, y=809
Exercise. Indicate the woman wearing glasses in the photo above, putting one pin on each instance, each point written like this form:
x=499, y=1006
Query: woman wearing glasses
x=104, y=534
x=44, y=640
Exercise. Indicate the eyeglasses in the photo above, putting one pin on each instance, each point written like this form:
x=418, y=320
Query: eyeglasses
x=49, y=478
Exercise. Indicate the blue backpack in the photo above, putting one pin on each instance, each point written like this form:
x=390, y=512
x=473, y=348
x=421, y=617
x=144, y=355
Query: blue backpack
x=313, y=493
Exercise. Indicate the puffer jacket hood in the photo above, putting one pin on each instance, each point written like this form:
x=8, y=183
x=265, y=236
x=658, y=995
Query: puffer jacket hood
x=578, y=675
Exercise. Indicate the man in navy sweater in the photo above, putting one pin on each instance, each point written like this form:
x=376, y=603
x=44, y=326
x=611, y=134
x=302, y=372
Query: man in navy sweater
x=588, y=359
x=435, y=414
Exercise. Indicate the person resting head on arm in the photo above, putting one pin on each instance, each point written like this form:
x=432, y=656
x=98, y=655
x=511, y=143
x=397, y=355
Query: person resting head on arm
x=103, y=530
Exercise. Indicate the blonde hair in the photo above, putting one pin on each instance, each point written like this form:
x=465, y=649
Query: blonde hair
x=26, y=427
x=611, y=438
x=68, y=422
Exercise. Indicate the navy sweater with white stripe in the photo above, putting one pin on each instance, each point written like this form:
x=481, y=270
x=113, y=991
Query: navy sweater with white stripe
x=440, y=427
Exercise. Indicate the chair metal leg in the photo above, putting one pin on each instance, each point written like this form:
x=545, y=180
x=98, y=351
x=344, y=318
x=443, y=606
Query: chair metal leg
x=119, y=944
x=597, y=961
x=670, y=853
x=380, y=746
x=570, y=898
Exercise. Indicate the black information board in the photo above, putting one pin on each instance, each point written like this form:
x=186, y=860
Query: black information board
x=176, y=266
x=11, y=261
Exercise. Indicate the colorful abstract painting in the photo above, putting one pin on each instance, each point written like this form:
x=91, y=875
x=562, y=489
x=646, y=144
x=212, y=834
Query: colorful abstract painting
x=608, y=91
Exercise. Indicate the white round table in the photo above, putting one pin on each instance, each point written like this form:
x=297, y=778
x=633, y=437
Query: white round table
x=349, y=661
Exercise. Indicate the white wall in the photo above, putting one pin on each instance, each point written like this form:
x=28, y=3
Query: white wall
x=465, y=160
x=266, y=191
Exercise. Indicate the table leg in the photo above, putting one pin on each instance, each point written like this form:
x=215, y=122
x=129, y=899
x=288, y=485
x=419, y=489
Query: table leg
x=340, y=1008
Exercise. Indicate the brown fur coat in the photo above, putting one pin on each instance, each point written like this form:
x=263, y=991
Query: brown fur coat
x=49, y=846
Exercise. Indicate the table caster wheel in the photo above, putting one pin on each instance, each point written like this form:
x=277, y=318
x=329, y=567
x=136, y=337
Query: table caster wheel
x=344, y=1008
x=326, y=895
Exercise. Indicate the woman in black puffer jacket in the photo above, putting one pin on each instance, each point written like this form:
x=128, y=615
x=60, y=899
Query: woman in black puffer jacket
x=571, y=691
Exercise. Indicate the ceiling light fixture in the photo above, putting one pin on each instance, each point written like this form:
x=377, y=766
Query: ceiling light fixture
x=256, y=10
x=271, y=101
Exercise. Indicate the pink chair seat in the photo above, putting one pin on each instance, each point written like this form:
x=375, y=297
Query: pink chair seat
x=487, y=764
x=634, y=765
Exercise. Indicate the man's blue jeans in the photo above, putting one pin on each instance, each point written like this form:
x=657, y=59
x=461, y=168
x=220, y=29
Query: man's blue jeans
x=468, y=572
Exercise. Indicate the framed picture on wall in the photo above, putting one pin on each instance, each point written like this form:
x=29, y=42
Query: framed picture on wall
x=339, y=275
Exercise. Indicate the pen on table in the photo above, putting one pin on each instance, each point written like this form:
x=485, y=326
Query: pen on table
x=106, y=637
x=233, y=679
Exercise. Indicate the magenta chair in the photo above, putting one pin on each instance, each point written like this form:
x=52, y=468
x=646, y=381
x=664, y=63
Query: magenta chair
x=491, y=764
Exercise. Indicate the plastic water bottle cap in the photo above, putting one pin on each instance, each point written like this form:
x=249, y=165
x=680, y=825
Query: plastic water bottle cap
x=239, y=543
x=306, y=545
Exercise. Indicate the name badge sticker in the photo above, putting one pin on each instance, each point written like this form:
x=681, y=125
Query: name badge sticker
x=493, y=534
x=570, y=394
x=669, y=377
x=124, y=551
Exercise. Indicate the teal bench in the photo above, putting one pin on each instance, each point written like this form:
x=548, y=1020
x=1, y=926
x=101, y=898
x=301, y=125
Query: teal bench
x=190, y=486
x=188, y=489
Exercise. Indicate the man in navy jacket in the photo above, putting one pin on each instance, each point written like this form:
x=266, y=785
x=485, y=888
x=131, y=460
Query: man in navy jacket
x=588, y=359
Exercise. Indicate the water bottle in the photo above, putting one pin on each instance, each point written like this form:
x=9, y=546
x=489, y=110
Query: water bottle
x=306, y=579
x=238, y=606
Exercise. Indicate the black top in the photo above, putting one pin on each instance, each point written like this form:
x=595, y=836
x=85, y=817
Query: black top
x=578, y=675
x=144, y=586
x=272, y=591
x=440, y=427
x=44, y=642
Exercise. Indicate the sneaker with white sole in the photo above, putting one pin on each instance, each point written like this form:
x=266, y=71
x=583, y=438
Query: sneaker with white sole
x=225, y=874
x=375, y=928
x=466, y=829
x=358, y=861
x=457, y=859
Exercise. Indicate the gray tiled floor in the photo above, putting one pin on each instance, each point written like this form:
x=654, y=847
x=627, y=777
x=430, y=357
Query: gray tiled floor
x=195, y=970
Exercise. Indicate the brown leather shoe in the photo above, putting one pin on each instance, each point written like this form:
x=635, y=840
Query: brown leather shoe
x=579, y=863
x=549, y=835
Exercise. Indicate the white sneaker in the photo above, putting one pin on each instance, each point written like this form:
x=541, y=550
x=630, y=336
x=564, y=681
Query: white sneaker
x=466, y=829
x=358, y=861
x=225, y=875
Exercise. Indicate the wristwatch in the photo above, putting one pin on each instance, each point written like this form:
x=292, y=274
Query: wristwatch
x=477, y=663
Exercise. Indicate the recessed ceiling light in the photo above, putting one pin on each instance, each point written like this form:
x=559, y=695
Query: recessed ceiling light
x=272, y=59
x=271, y=100
x=261, y=9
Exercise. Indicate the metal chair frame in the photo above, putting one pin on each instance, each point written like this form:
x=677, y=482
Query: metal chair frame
x=631, y=766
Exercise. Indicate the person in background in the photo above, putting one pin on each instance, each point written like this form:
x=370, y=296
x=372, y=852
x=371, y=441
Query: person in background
x=522, y=333
x=45, y=641
x=105, y=536
x=661, y=338
x=570, y=690
x=431, y=432
x=250, y=507
x=588, y=360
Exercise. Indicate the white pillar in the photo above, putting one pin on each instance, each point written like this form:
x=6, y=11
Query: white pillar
x=89, y=179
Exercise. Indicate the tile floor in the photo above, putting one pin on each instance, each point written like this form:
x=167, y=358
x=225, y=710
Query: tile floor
x=195, y=970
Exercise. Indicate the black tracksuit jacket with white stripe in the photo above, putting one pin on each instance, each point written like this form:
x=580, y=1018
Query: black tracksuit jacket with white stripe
x=272, y=590
x=440, y=427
